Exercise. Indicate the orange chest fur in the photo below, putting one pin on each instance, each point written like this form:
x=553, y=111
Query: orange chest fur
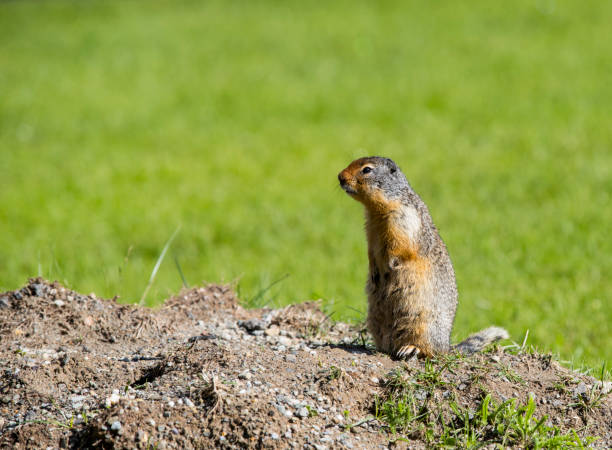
x=390, y=247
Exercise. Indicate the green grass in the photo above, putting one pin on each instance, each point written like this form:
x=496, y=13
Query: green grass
x=120, y=121
x=508, y=424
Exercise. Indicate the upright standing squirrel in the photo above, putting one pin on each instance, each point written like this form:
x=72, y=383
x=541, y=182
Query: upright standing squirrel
x=412, y=293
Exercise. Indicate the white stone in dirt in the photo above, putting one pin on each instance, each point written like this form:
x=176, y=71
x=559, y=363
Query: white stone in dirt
x=581, y=389
x=112, y=400
x=77, y=401
x=274, y=330
x=420, y=394
x=116, y=425
x=59, y=303
x=302, y=412
x=226, y=336
x=284, y=340
x=284, y=411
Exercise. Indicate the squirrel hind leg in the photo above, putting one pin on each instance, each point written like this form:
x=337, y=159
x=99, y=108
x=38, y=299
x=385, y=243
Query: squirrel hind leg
x=477, y=341
x=407, y=352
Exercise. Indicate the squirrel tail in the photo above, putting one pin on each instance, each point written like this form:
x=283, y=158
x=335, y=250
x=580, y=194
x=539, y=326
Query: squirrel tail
x=480, y=340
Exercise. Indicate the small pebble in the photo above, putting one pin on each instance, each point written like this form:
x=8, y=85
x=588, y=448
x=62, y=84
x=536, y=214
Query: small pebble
x=272, y=331
x=581, y=390
x=113, y=399
x=284, y=340
x=246, y=375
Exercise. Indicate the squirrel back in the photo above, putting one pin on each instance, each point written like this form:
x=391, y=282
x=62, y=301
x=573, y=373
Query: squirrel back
x=411, y=287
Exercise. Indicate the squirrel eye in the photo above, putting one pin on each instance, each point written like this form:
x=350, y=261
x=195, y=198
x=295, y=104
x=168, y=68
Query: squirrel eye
x=366, y=169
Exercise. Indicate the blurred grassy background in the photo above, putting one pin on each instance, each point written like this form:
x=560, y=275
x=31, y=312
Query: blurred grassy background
x=121, y=120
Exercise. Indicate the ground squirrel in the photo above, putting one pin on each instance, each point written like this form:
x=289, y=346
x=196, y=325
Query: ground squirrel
x=411, y=288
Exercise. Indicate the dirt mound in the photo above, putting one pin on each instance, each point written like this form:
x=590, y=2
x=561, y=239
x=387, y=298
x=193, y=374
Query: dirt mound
x=202, y=372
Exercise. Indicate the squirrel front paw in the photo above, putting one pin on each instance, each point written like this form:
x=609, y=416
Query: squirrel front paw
x=408, y=352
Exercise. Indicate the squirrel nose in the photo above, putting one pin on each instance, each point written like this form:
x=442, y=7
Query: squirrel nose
x=341, y=179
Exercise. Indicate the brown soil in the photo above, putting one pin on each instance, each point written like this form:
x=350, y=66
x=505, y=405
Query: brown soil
x=77, y=371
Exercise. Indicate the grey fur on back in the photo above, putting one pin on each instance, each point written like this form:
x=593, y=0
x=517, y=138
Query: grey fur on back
x=445, y=285
x=431, y=245
x=441, y=302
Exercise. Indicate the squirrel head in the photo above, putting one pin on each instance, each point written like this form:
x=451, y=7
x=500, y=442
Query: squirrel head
x=374, y=181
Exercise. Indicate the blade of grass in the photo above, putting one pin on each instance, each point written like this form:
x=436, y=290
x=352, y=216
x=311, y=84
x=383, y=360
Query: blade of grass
x=180, y=271
x=525, y=340
x=253, y=302
x=157, y=264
